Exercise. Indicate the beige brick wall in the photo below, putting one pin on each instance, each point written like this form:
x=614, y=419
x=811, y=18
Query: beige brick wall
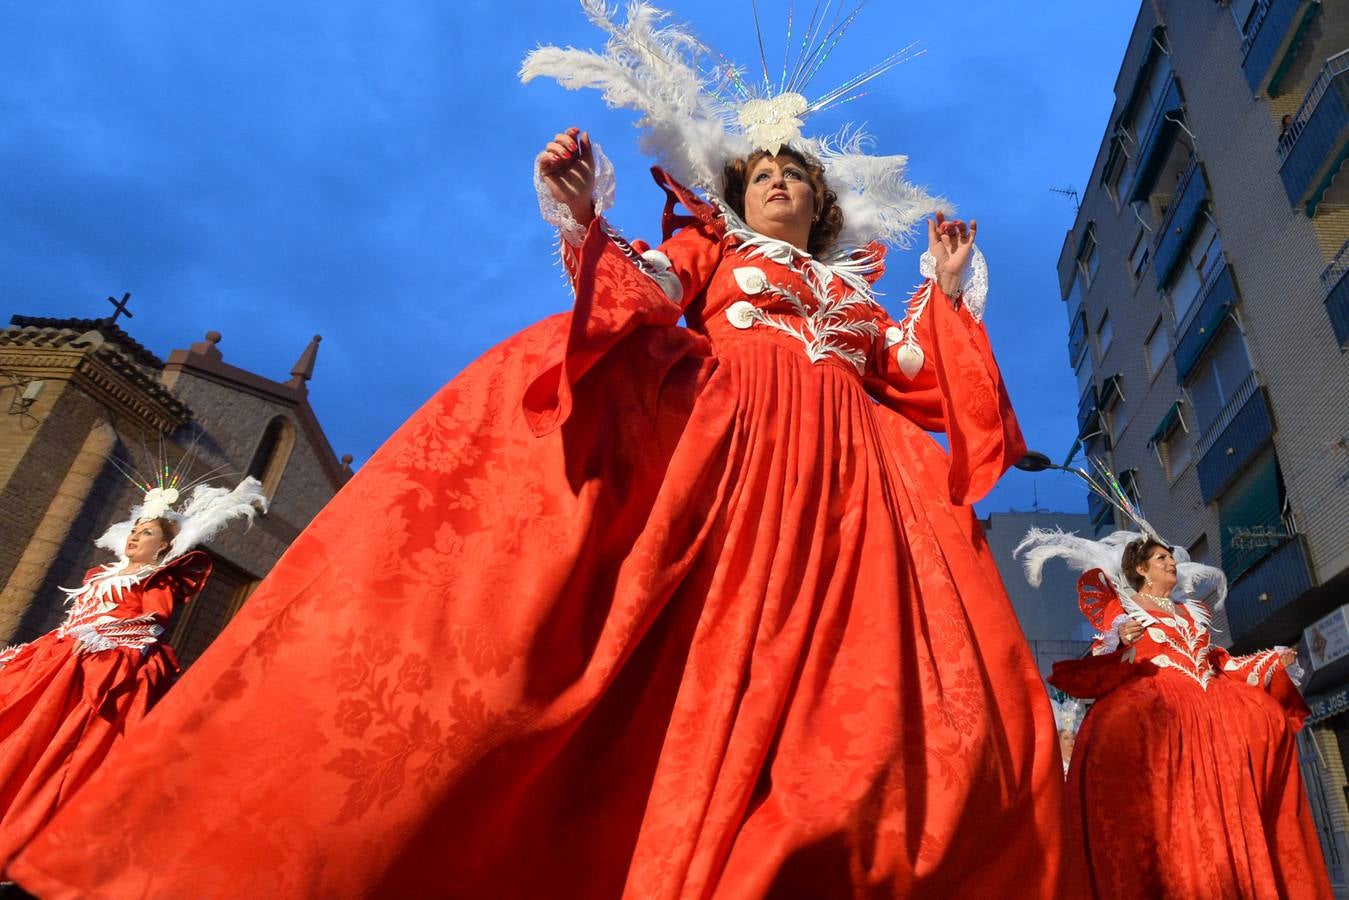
x=1277, y=256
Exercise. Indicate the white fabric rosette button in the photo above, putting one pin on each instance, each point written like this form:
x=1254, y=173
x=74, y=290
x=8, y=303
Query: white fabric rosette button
x=909, y=355
x=661, y=270
x=750, y=280
x=741, y=314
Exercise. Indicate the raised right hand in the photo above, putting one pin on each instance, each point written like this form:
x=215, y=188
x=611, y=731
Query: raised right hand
x=567, y=167
x=1129, y=632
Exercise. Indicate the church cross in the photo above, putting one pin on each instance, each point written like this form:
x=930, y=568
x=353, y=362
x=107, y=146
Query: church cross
x=119, y=307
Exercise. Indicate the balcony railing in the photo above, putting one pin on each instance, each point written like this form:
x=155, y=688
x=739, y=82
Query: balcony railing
x=1274, y=582
x=1229, y=442
x=1316, y=142
x=1204, y=319
x=1191, y=190
x=1249, y=385
x=1336, y=281
x=1276, y=30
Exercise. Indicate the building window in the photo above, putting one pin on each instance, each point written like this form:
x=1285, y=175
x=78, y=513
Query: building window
x=1155, y=349
x=1105, y=335
x=1116, y=164
x=1128, y=480
x=1175, y=448
x=1199, y=551
x=1113, y=408
x=1074, y=299
x=1139, y=255
x=1216, y=379
x=1089, y=255
x=1201, y=259
x=1083, y=371
x=272, y=454
x=198, y=623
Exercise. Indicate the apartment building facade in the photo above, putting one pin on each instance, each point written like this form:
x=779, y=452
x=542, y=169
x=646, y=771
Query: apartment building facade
x=1206, y=280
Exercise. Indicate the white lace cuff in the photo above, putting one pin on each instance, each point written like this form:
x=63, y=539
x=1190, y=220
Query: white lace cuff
x=973, y=280
x=559, y=215
x=1294, y=670
x=1110, y=639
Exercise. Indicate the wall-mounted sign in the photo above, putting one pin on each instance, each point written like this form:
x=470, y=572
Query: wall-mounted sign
x=1328, y=639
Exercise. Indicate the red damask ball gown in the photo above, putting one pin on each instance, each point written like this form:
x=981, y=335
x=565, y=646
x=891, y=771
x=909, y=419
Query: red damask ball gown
x=627, y=608
x=1184, y=779
x=68, y=698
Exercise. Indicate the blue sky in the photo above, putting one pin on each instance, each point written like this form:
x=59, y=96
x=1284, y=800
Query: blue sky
x=362, y=171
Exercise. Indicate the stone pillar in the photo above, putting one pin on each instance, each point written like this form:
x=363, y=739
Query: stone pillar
x=53, y=531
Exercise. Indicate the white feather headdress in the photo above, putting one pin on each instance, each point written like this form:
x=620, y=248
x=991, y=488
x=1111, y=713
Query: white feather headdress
x=1107, y=554
x=698, y=112
x=208, y=509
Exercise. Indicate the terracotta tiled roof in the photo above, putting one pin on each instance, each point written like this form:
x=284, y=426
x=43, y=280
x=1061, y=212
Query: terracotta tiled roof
x=120, y=352
x=110, y=331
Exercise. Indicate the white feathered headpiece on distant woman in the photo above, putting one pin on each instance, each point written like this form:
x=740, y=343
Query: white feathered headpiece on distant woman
x=698, y=111
x=207, y=510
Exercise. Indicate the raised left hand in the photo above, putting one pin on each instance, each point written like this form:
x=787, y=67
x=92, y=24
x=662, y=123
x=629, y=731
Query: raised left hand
x=950, y=241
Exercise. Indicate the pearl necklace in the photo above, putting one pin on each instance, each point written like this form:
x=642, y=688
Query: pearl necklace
x=1163, y=603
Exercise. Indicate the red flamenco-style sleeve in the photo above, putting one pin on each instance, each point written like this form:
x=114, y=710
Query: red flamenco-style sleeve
x=621, y=287
x=1266, y=670
x=959, y=391
x=176, y=583
x=1109, y=664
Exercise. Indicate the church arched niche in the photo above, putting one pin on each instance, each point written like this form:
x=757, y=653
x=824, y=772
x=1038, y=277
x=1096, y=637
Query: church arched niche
x=272, y=454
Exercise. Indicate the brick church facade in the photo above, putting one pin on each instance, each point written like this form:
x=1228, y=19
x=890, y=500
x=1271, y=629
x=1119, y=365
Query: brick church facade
x=76, y=394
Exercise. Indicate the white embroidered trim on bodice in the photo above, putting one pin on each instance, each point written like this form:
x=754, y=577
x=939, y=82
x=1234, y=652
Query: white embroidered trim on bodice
x=1191, y=649
x=838, y=288
x=89, y=620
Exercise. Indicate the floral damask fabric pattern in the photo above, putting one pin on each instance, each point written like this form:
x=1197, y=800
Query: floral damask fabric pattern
x=626, y=609
x=1184, y=779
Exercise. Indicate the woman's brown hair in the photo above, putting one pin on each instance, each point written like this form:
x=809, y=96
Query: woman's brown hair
x=1136, y=554
x=829, y=218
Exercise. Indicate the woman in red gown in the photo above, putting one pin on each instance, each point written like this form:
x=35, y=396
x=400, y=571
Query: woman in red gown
x=68, y=698
x=630, y=608
x=1184, y=779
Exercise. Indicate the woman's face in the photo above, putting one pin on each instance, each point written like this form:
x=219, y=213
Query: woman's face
x=1160, y=570
x=146, y=541
x=779, y=201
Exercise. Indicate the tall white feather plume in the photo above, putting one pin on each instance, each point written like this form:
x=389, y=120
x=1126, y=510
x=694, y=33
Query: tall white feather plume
x=1081, y=554
x=653, y=70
